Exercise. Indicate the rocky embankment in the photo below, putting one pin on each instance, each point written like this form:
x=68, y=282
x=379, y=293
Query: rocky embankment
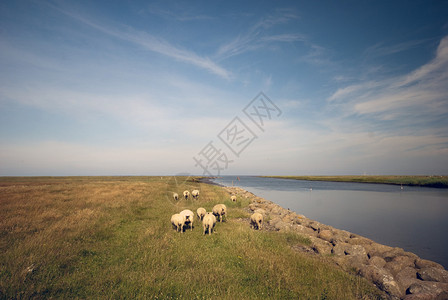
x=400, y=274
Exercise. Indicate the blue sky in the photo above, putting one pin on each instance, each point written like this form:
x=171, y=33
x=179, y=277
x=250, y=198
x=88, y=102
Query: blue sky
x=140, y=88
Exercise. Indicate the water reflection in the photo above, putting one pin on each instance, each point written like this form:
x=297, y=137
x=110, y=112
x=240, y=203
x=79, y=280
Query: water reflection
x=412, y=218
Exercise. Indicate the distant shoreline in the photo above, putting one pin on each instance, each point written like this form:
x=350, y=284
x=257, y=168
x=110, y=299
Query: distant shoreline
x=421, y=181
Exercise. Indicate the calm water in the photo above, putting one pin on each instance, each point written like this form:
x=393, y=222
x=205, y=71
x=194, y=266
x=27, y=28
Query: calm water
x=412, y=218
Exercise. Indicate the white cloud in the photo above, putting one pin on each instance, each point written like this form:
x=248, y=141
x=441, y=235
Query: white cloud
x=152, y=43
x=421, y=93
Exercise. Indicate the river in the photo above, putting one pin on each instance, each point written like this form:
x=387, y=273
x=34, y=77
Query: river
x=412, y=218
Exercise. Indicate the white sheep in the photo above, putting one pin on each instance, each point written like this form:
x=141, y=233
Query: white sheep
x=201, y=213
x=256, y=220
x=178, y=222
x=195, y=193
x=189, y=216
x=186, y=194
x=219, y=210
x=208, y=223
x=233, y=198
x=176, y=196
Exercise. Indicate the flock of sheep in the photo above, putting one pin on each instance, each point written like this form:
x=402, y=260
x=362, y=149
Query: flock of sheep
x=184, y=219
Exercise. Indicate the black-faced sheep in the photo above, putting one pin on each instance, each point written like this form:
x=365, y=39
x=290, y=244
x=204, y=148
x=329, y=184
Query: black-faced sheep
x=186, y=194
x=189, y=216
x=256, y=221
x=176, y=196
x=219, y=210
x=178, y=222
x=195, y=194
x=201, y=213
x=208, y=223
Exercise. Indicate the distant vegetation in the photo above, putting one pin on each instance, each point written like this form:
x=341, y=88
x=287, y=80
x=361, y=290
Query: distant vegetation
x=424, y=181
x=111, y=237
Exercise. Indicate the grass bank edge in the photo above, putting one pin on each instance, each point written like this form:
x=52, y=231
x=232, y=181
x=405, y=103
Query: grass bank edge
x=415, y=180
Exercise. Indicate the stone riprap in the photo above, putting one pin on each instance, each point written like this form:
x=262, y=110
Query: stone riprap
x=400, y=274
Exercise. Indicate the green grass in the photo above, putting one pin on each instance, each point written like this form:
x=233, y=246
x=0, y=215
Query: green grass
x=424, y=181
x=111, y=237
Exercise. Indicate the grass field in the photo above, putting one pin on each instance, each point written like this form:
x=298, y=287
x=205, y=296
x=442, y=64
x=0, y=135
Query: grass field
x=424, y=181
x=111, y=237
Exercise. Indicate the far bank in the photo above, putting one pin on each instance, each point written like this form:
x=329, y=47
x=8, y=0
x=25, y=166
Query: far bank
x=417, y=180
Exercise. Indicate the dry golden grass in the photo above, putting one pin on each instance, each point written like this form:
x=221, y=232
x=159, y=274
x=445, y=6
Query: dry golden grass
x=110, y=237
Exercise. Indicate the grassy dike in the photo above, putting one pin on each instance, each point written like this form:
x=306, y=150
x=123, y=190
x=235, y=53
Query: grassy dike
x=424, y=181
x=111, y=237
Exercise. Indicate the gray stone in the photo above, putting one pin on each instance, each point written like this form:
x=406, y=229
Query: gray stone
x=282, y=226
x=398, y=263
x=356, y=250
x=375, y=249
x=303, y=230
x=381, y=278
x=437, y=290
x=320, y=246
x=405, y=278
x=340, y=249
x=433, y=274
x=424, y=263
x=340, y=236
x=377, y=261
x=314, y=225
x=326, y=235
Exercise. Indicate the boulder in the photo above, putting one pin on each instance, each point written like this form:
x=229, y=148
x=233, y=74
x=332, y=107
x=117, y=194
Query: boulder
x=377, y=261
x=358, y=240
x=424, y=263
x=340, y=236
x=303, y=230
x=433, y=274
x=282, y=226
x=381, y=278
x=375, y=249
x=398, y=263
x=320, y=246
x=326, y=235
x=340, y=249
x=405, y=278
x=437, y=290
x=314, y=225
x=392, y=253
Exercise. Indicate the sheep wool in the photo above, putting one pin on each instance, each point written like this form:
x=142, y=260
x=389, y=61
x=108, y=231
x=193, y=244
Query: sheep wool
x=176, y=196
x=201, y=213
x=233, y=198
x=186, y=194
x=189, y=216
x=195, y=194
x=219, y=210
x=208, y=223
x=256, y=221
x=178, y=221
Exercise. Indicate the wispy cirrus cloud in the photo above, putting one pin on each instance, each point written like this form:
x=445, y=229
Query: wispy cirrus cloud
x=418, y=96
x=380, y=49
x=151, y=43
x=257, y=36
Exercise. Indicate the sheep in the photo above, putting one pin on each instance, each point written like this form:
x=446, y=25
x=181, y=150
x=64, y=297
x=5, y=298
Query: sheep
x=176, y=196
x=208, y=223
x=256, y=220
x=186, y=194
x=201, y=213
x=219, y=210
x=188, y=215
x=178, y=221
x=195, y=193
x=233, y=198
